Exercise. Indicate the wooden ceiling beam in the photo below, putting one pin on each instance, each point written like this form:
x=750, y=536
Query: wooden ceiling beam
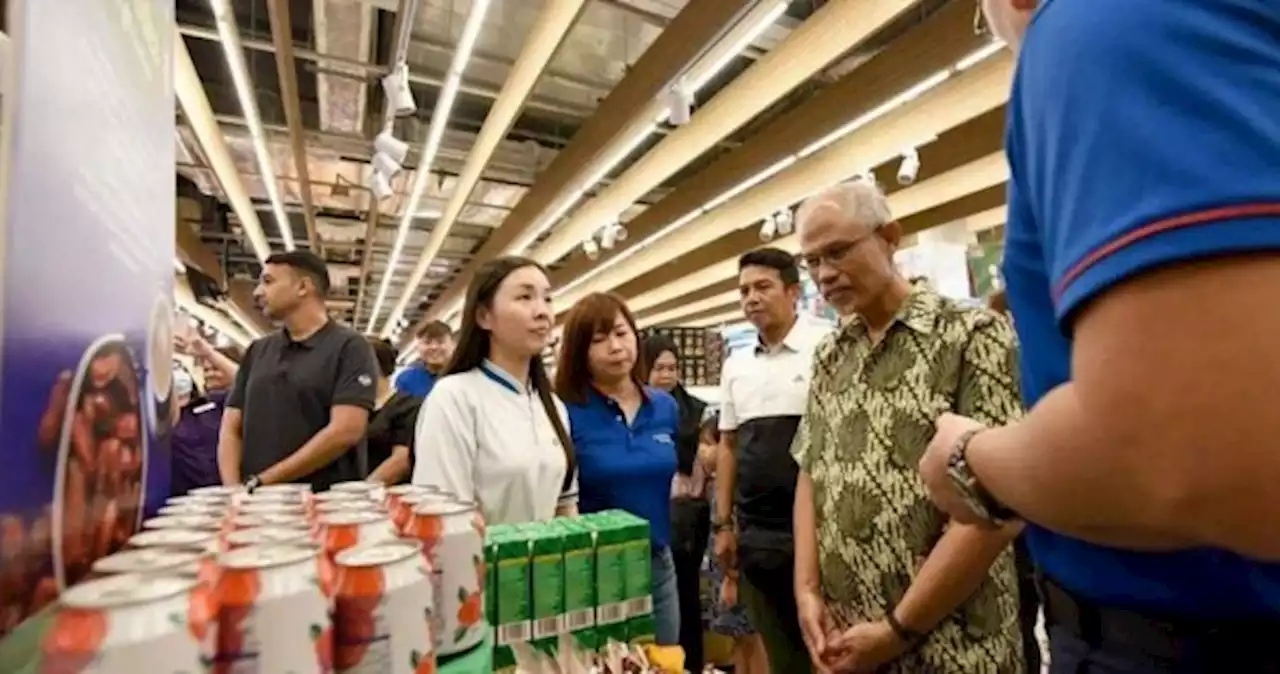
x=688, y=34
x=937, y=43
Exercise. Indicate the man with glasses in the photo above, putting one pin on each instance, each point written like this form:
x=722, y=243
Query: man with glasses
x=884, y=581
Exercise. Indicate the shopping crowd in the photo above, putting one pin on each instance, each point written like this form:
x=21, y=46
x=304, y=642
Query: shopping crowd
x=909, y=491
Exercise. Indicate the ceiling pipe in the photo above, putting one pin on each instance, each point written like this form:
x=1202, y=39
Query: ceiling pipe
x=195, y=105
x=282, y=35
x=547, y=34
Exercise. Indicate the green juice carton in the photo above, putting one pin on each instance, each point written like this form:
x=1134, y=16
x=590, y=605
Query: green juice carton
x=611, y=570
x=579, y=574
x=639, y=563
x=546, y=541
x=512, y=585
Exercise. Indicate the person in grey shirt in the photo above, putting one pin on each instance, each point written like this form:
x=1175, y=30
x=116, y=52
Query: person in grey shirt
x=301, y=400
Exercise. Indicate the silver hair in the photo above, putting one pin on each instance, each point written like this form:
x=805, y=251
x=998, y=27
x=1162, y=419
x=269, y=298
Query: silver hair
x=860, y=200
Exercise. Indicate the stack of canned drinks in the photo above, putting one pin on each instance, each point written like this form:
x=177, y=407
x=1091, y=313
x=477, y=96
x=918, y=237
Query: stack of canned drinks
x=360, y=578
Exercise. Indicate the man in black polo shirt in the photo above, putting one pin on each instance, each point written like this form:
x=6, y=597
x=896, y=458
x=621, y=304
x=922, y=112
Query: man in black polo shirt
x=302, y=397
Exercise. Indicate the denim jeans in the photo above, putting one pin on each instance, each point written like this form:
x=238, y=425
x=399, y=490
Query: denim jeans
x=666, y=600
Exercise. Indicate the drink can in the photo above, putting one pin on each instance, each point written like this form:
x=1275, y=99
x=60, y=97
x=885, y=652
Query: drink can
x=356, y=487
x=147, y=561
x=258, y=507
x=196, y=522
x=218, y=491
x=405, y=504
x=182, y=539
x=338, y=531
x=212, y=502
x=382, y=610
x=113, y=624
x=272, y=614
x=331, y=496
x=298, y=488
x=267, y=535
x=358, y=504
x=193, y=509
x=268, y=519
x=452, y=539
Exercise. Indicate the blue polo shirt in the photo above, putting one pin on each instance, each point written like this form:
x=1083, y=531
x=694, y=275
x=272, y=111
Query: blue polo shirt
x=627, y=466
x=416, y=380
x=1141, y=133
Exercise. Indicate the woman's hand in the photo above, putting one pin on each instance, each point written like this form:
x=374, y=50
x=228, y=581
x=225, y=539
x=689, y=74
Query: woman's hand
x=729, y=590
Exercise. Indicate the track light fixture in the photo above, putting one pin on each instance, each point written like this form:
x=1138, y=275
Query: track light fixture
x=786, y=221
x=608, y=237
x=769, y=229
x=591, y=249
x=619, y=231
x=387, y=144
x=399, y=96
x=910, y=167
x=380, y=185
x=385, y=165
x=679, y=104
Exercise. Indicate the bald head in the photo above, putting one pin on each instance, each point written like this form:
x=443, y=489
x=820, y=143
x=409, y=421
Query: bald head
x=858, y=204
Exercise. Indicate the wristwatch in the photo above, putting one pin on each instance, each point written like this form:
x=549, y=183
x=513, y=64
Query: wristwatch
x=970, y=489
x=252, y=483
x=718, y=525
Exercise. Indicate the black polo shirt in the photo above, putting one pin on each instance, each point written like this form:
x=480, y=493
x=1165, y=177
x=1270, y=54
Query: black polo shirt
x=286, y=390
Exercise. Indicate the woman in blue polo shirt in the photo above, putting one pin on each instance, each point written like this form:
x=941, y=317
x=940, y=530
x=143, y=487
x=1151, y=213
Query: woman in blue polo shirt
x=624, y=434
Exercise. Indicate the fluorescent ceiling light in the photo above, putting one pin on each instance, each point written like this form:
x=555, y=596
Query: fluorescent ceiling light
x=229, y=35
x=901, y=99
x=431, y=145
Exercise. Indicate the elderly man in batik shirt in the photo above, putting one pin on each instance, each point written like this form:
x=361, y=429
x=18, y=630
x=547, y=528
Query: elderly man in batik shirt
x=884, y=582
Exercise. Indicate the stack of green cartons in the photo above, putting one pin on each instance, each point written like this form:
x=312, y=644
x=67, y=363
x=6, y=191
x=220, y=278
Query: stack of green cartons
x=509, y=601
x=587, y=576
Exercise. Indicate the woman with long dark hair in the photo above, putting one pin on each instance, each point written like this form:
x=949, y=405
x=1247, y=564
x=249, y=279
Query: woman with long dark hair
x=492, y=431
x=625, y=434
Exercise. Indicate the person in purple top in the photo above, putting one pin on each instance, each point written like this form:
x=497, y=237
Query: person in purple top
x=198, y=416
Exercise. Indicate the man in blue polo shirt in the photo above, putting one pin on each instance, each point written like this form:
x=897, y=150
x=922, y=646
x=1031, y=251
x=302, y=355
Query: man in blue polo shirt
x=435, y=350
x=1143, y=271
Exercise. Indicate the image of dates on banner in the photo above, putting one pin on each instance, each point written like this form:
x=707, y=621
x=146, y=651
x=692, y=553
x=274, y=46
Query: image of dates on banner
x=101, y=460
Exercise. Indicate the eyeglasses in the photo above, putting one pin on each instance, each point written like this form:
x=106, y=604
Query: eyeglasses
x=834, y=254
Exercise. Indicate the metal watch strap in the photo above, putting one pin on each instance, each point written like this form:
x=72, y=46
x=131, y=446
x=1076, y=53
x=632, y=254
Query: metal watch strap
x=252, y=483
x=993, y=510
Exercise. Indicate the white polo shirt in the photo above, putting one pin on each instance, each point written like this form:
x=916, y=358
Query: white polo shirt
x=483, y=437
x=763, y=393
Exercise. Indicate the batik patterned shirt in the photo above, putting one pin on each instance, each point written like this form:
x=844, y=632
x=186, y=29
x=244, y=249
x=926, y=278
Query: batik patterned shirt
x=870, y=416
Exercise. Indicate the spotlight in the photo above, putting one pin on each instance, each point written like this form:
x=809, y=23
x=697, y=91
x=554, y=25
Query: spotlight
x=679, y=104
x=608, y=237
x=393, y=147
x=591, y=249
x=385, y=165
x=380, y=185
x=909, y=167
x=786, y=221
x=399, y=96
x=619, y=232
x=769, y=229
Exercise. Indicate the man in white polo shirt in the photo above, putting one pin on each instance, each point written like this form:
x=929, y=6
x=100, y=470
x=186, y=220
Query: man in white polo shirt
x=763, y=394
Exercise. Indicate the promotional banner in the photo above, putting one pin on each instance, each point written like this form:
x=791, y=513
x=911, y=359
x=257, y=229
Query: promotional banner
x=85, y=301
